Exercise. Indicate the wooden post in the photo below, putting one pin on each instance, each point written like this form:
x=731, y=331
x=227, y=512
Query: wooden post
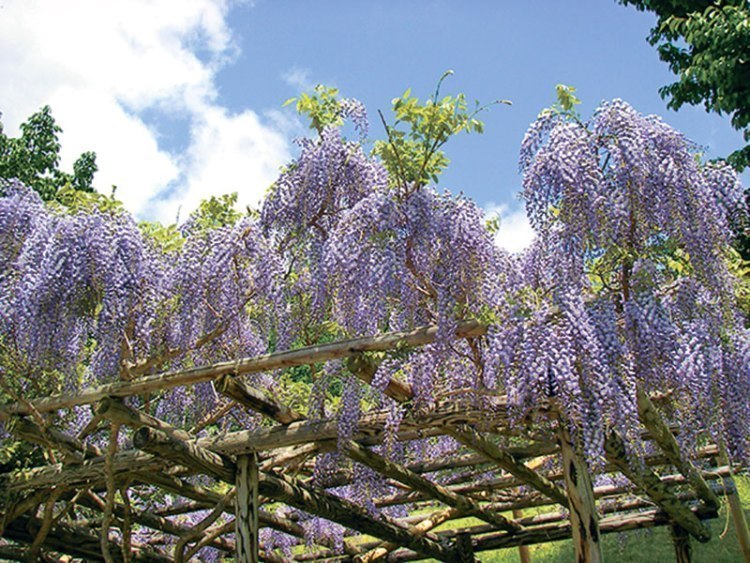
x=681, y=540
x=584, y=520
x=464, y=549
x=246, y=516
x=735, y=509
x=524, y=553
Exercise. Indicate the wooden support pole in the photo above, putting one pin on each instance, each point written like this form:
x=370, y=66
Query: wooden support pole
x=735, y=509
x=584, y=520
x=524, y=553
x=661, y=493
x=246, y=509
x=395, y=471
x=663, y=436
x=473, y=439
x=255, y=400
x=464, y=549
x=681, y=541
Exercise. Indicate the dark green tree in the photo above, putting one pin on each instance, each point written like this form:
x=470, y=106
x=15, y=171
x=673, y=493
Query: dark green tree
x=34, y=158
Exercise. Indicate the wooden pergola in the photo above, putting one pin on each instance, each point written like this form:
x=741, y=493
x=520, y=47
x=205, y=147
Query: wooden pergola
x=272, y=464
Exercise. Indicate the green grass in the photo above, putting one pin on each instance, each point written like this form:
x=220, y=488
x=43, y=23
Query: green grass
x=653, y=546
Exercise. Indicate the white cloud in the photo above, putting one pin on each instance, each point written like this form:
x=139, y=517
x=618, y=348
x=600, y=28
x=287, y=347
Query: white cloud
x=228, y=153
x=299, y=79
x=515, y=233
x=99, y=65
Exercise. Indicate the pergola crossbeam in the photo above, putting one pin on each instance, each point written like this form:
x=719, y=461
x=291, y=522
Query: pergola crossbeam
x=302, y=356
x=395, y=471
x=663, y=436
x=659, y=491
x=474, y=440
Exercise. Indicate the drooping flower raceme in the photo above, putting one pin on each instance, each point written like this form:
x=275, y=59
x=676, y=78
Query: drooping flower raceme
x=626, y=284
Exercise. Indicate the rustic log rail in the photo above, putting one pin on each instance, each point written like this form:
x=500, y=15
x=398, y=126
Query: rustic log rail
x=292, y=358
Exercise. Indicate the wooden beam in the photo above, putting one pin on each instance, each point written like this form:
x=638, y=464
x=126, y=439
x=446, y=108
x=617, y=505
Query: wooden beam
x=255, y=400
x=661, y=493
x=125, y=463
x=422, y=527
x=560, y=530
x=370, y=429
x=116, y=411
x=25, y=428
x=509, y=481
x=474, y=440
x=663, y=436
x=584, y=519
x=623, y=506
x=185, y=452
x=302, y=356
x=599, y=492
x=246, y=509
x=472, y=487
x=155, y=522
x=75, y=541
x=395, y=471
x=364, y=368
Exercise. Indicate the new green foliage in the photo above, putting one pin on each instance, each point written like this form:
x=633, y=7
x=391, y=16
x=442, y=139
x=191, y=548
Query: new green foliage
x=412, y=152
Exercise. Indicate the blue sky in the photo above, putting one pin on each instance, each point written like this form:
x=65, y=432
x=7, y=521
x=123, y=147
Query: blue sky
x=182, y=99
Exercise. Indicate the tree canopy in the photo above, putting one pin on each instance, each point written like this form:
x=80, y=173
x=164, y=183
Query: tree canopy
x=34, y=158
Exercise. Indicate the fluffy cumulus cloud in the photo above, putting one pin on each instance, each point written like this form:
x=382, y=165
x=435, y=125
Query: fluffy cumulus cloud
x=515, y=233
x=104, y=67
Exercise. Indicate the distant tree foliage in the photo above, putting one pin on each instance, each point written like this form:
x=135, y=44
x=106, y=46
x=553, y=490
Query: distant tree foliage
x=707, y=45
x=34, y=158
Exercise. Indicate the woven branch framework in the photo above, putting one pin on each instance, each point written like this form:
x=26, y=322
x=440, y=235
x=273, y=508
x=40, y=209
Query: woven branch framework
x=271, y=464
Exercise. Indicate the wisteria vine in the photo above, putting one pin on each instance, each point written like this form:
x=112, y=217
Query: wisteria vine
x=625, y=287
